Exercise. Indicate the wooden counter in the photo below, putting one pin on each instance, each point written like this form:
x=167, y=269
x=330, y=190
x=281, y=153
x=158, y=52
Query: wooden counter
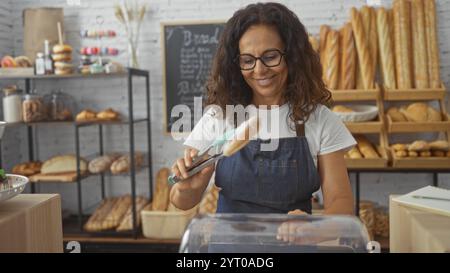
x=31, y=223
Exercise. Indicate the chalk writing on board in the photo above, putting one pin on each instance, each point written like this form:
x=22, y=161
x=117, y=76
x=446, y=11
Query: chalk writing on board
x=189, y=52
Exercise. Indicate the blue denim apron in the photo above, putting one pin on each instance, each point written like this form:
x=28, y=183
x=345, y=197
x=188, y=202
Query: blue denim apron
x=255, y=181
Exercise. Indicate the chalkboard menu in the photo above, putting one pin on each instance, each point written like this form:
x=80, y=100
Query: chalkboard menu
x=189, y=50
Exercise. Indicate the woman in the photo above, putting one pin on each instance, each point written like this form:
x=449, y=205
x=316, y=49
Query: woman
x=264, y=58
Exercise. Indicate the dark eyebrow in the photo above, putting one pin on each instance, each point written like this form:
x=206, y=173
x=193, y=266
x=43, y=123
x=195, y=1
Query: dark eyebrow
x=264, y=52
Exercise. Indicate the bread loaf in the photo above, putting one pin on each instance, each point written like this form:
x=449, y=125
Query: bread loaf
x=209, y=200
x=347, y=69
x=425, y=154
x=440, y=145
x=416, y=112
x=419, y=44
x=324, y=29
x=364, y=57
x=402, y=43
x=95, y=222
x=395, y=115
x=413, y=154
x=127, y=221
x=114, y=217
x=162, y=190
x=386, y=48
x=63, y=164
x=401, y=153
x=123, y=164
x=27, y=168
x=314, y=43
x=102, y=163
x=108, y=114
x=354, y=153
x=373, y=39
x=399, y=147
x=332, y=60
x=433, y=115
x=432, y=43
x=419, y=146
x=86, y=115
x=365, y=147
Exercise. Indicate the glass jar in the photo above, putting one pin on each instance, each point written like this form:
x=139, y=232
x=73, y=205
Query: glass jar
x=60, y=106
x=12, y=104
x=33, y=108
x=39, y=64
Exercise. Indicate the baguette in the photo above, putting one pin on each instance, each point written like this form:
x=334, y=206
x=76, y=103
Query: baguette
x=364, y=57
x=332, y=60
x=162, y=190
x=402, y=33
x=386, y=47
x=419, y=45
x=413, y=154
x=347, y=70
x=94, y=222
x=209, y=201
x=419, y=146
x=354, y=153
x=366, y=148
x=373, y=39
x=314, y=43
x=432, y=43
x=116, y=214
x=127, y=221
x=324, y=29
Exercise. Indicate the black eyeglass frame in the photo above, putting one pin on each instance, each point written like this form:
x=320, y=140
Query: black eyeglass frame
x=282, y=54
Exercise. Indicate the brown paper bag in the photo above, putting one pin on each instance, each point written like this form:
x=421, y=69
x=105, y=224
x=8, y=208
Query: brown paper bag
x=40, y=24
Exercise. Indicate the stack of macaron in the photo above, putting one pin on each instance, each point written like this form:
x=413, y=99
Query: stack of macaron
x=62, y=58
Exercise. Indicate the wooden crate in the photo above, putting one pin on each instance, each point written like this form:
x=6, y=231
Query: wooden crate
x=415, y=127
x=420, y=162
x=355, y=95
x=414, y=94
x=364, y=163
x=365, y=127
x=17, y=71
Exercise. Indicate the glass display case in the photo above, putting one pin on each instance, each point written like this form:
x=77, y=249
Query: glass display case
x=274, y=233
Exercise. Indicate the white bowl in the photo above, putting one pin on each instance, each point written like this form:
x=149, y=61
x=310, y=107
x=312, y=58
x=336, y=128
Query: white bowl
x=17, y=185
x=361, y=113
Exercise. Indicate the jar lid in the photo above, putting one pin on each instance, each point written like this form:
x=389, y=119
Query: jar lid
x=10, y=90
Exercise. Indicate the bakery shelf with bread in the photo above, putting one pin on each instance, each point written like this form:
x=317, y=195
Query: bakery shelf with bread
x=421, y=154
x=61, y=168
x=417, y=117
x=359, y=118
x=367, y=155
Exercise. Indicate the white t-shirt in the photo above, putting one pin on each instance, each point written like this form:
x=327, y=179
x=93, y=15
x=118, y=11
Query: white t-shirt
x=324, y=131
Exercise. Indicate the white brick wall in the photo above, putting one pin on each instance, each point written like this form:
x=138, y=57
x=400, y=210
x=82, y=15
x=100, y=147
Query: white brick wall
x=100, y=94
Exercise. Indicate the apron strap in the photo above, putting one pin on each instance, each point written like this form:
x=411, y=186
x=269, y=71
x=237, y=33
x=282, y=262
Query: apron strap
x=300, y=129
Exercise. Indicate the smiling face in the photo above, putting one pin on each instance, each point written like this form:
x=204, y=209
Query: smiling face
x=267, y=83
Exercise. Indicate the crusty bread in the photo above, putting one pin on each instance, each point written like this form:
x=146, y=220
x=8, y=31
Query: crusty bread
x=419, y=146
x=86, y=115
x=108, y=114
x=419, y=44
x=364, y=56
x=347, y=69
x=342, y=109
x=324, y=29
x=102, y=163
x=386, y=48
x=209, y=200
x=95, y=222
x=115, y=216
x=440, y=145
x=425, y=154
x=399, y=147
x=122, y=164
x=402, y=43
x=127, y=220
x=413, y=154
x=63, y=164
x=416, y=112
x=365, y=147
x=401, y=153
x=314, y=43
x=162, y=190
x=395, y=115
x=354, y=153
x=433, y=114
x=432, y=43
x=332, y=60
x=27, y=168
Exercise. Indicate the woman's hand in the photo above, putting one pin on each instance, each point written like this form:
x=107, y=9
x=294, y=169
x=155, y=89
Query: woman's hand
x=180, y=169
x=188, y=192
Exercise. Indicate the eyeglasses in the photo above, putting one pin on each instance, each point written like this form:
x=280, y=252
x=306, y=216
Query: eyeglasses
x=270, y=58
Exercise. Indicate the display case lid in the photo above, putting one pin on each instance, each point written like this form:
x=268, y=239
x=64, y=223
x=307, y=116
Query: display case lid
x=272, y=233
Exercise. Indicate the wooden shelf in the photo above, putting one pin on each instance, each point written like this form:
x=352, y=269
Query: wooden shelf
x=364, y=163
x=355, y=95
x=416, y=127
x=420, y=162
x=414, y=94
x=365, y=127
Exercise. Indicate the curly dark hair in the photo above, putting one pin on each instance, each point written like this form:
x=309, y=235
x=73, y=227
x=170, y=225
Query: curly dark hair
x=305, y=87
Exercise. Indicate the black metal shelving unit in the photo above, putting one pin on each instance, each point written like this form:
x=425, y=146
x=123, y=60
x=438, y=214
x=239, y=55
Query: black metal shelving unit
x=129, y=74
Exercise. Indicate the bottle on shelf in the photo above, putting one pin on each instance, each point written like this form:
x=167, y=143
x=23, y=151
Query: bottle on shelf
x=39, y=66
x=48, y=61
